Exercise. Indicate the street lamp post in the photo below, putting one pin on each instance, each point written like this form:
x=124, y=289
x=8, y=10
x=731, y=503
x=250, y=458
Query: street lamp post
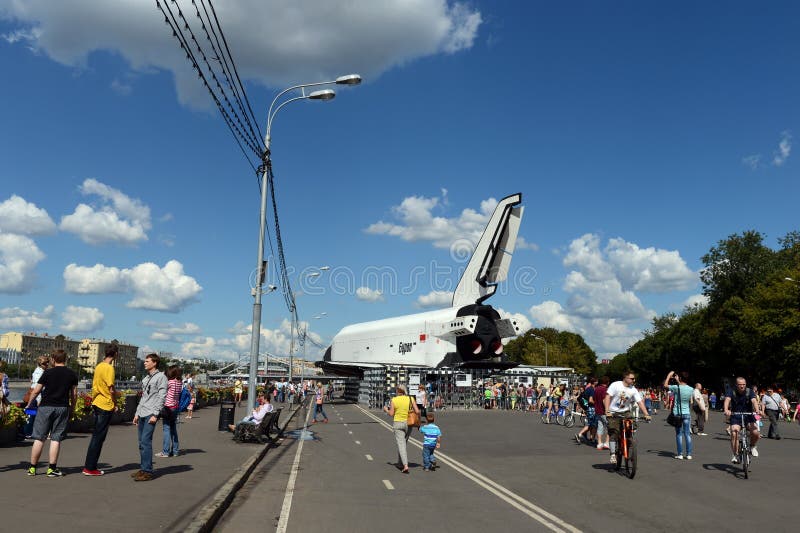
x=545, y=348
x=325, y=94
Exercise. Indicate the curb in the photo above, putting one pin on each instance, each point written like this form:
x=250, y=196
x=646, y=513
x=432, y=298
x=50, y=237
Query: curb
x=215, y=507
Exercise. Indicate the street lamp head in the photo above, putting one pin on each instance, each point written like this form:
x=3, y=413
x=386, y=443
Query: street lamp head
x=324, y=94
x=349, y=79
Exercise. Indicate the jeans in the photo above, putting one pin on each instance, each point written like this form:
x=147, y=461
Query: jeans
x=171, y=434
x=318, y=410
x=102, y=419
x=427, y=456
x=772, y=414
x=684, y=431
x=146, y=444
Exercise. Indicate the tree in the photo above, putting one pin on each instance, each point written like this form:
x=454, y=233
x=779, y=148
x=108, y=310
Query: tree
x=563, y=348
x=735, y=266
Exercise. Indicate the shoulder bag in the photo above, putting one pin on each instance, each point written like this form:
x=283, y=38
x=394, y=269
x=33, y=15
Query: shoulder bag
x=413, y=418
x=673, y=419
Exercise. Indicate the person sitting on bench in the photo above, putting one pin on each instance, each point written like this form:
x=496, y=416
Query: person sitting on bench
x=262, y=409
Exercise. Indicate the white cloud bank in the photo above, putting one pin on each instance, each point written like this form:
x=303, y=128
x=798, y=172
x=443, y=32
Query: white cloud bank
x=16, y=319
x=303, y=39
x=417, y=222
x=602, y=305
x=435, y=299
x=118, y=219
x=167, y=332
x=152, y=287
x=19, y=256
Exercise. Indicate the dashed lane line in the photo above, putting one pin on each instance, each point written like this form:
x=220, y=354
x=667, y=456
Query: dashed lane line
x=283, y=522
x=369, y=457
x=539, y=514
x=388, y=484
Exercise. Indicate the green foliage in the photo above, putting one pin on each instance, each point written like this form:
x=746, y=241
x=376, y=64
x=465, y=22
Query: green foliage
x=751, y=326
x=563, y=348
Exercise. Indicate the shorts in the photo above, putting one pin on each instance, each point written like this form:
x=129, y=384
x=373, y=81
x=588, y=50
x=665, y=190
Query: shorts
x=591, y=417
x=51, y=420
x=602, y=425
x=737, y=420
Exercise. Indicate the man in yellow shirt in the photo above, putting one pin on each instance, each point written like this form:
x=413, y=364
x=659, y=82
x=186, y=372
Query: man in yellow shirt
x=104, y=406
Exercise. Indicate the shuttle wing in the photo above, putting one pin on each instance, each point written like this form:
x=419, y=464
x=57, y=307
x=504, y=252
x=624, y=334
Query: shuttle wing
x=492, y=256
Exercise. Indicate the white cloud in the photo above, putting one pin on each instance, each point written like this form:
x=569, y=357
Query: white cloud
x=24, y=218
x=784, y=149
x=19, y=256
x=273, y=341
x=162, y=289
x=98, y=279
x=752, y=161
x=167, y=332
x=14, y=318
x=81, y=319
x=365, y=294
x=435, y=299
x=155, y=288
x=418, y=223
x=649, y=269
x=303, y=39
x=119, y=219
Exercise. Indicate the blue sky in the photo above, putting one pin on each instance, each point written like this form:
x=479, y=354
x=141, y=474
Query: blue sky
x=639, y=134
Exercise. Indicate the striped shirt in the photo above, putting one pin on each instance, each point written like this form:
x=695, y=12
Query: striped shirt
x=173, y=393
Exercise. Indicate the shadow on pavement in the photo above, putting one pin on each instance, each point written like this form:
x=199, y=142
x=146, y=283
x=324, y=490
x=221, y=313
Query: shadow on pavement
x=735, y=470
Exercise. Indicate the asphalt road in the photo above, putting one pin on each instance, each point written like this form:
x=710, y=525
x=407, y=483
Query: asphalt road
x=501, y=469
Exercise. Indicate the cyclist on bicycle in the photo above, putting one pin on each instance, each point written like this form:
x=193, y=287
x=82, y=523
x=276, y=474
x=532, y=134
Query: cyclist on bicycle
x=742, y=400
x=620, y=398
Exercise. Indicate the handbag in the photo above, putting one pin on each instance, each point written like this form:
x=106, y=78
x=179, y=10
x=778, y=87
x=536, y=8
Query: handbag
x=673, y=419
x=27, y=398
x=413, y=418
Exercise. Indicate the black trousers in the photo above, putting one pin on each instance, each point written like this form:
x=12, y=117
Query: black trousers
x=772, y=414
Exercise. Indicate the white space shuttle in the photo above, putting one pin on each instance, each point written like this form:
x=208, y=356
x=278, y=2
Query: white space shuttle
x=466, y=335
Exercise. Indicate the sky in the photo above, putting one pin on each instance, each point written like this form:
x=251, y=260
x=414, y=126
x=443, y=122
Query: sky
x=639, y=134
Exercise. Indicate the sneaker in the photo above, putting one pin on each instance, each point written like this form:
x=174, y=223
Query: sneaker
x=688, y=457
x=134, y=474
x=754, y=451
x=703, y=434
x=87, y=472
x=143, y=476
x=599, y=447
x=578, y=438
x=54, y=472
x=735, y=460
x=679, y=457
x=426, y=469
x=613, y=459
x=32, y=471
x=162, y=454
x=606, y=447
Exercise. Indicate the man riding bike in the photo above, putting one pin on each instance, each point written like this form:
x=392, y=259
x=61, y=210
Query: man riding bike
x=742, y=400
x=620, y=398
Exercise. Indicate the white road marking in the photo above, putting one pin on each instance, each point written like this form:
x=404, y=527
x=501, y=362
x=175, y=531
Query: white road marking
x=388, y=484
x=539, y=514
x=283, y=522
x=369, y=457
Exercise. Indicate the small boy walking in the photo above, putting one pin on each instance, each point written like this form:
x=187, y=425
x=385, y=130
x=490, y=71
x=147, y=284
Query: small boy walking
x=433, y=437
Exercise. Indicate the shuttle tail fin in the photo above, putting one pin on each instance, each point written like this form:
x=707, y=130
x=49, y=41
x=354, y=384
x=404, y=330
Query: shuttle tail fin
x=491, y=259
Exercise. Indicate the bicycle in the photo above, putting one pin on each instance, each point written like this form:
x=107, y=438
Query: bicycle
x=627, y=448
x=565, y=416
x=548, y=415
x=743, y=452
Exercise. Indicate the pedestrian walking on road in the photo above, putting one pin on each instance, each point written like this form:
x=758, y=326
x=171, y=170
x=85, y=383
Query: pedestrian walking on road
x=237, y=391
x=59, y=388
x=699, y=407
x=398, y=409
x=169, y=419
x=772, y=407
x=318, y=400
x=103, y=405
x=683, y=400
x=431, y=442
x=600, y=413
x=154, y=393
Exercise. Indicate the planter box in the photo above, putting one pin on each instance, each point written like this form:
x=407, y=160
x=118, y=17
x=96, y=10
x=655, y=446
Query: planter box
x=8, y=435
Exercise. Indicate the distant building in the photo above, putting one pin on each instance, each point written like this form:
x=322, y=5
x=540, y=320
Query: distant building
x=92, y=351
x=31, y=345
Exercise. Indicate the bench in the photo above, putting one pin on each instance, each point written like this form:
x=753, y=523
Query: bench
x=259, y=433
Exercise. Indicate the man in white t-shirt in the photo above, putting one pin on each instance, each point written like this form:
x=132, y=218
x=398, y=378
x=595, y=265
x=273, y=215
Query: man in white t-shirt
x=620, y=398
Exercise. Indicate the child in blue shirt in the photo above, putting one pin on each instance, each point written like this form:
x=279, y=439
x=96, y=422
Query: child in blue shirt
x=433, y=436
